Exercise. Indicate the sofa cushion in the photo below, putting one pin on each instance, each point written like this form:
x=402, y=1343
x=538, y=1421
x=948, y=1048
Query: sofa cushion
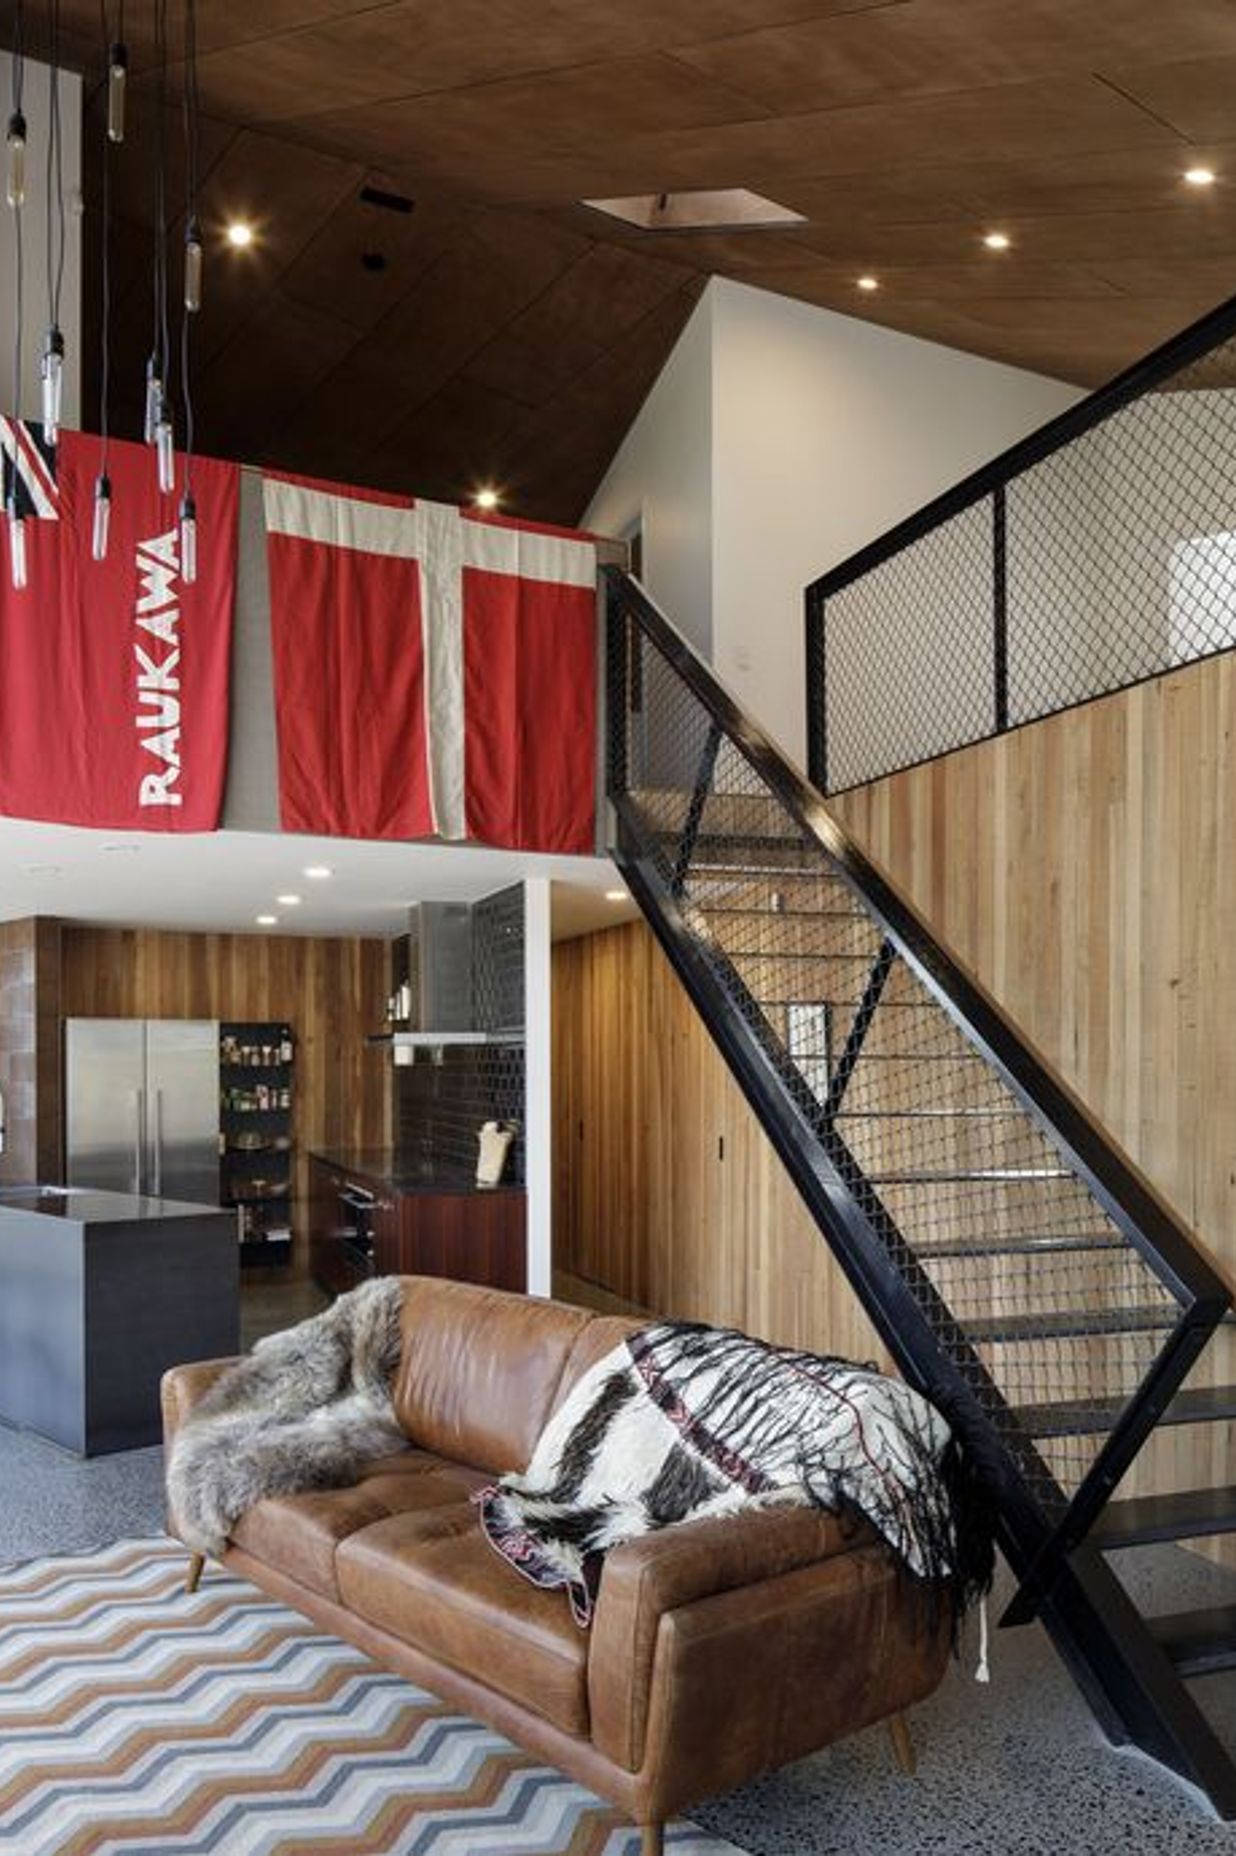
x=435, y=1581
x=299, y=1533
x=480, y=1369
x=602, y=1334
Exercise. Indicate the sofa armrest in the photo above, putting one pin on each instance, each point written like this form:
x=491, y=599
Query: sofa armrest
x=645, y=1579
x=183, y=1387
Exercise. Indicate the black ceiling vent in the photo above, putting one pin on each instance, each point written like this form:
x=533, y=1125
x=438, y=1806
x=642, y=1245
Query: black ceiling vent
x=389, y=202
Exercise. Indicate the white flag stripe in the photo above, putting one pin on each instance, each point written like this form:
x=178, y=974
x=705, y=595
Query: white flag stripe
x=339, y=521
x=553, y=558
x=32, y=479
x=442, y=626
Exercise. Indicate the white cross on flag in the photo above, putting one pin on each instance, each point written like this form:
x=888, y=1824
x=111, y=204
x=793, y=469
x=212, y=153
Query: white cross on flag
x=435, y=670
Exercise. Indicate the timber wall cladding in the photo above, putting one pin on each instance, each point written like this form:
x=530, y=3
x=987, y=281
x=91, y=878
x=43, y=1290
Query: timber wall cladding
x=1085, y=870
x=667, y=1192
x=331, y=991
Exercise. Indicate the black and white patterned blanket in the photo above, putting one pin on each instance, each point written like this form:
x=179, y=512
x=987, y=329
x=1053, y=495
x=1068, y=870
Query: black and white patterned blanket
x=683, y=1421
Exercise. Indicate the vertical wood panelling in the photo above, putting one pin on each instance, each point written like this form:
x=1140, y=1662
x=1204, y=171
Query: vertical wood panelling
x=331, y=991
x=1085, y=870
x=667, y=1192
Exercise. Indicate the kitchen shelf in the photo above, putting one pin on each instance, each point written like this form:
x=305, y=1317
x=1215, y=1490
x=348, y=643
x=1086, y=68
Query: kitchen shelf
x=255, y=1055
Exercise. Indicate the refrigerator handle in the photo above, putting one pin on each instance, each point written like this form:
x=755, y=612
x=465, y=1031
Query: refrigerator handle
x=139, y=1138
x=157, y=1145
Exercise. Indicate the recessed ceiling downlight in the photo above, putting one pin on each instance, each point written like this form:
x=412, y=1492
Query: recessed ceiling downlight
x=703, y=209
x=317, y=873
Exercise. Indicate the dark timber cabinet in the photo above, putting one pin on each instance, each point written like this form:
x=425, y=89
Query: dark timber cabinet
x=439, y=1229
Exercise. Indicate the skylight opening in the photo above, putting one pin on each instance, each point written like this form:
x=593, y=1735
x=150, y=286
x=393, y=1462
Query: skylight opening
x=726, y=209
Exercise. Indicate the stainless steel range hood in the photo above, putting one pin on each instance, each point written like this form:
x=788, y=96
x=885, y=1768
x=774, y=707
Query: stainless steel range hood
x=434, y=1008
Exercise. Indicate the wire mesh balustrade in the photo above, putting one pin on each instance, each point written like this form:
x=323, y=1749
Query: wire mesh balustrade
x=1048, y=1288
x=1096, y=554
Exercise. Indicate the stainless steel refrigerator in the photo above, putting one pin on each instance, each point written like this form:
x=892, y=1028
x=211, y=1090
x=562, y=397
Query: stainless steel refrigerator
x=142, y=1106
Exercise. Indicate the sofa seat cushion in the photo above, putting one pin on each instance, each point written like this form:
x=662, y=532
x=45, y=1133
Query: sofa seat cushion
x=300, y=1533
x=435, y=1581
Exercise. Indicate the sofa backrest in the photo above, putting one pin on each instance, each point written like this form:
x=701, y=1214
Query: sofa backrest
x=482, y=1369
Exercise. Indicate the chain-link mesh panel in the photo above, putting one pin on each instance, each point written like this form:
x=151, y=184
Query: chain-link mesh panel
x=1038, y=1299
x=1119, y=564
x=909, y=659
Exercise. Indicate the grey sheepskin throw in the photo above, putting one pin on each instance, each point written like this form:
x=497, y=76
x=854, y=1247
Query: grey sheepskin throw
x=683, y=1421
x=302, y=1411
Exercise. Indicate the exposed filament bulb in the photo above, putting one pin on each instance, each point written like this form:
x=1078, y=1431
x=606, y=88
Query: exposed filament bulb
x=193, y=266
x=164, y=448
x=154, y=397
x=102, y=516
x=51, y=368
x=17, y=545
x=188, y=539
x=117, y=78
x=16, y=185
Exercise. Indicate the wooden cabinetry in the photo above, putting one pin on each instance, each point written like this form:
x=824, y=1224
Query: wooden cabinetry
x=469, y=1235
x=472, y=1236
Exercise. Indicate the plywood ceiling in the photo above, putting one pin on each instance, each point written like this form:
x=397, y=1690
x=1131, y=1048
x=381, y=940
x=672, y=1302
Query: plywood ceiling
x=512, y=333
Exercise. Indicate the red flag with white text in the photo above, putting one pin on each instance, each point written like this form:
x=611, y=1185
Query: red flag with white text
x=435, y=670
x=114, y=674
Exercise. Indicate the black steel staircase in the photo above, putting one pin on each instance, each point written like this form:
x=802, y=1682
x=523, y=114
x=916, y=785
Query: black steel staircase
x=1019, y=1270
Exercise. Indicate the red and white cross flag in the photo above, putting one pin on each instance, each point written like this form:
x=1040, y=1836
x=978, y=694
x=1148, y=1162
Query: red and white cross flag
x=435, y=670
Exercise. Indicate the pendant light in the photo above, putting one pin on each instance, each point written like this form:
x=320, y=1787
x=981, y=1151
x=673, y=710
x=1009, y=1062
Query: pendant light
x=51, y=361
x=113, y=132
x=158, y=420
x=192, y=303
x=16, y=197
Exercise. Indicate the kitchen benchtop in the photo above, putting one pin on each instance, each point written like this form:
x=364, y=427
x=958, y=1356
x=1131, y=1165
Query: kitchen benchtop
x=403, y=1173
x=92, y=1205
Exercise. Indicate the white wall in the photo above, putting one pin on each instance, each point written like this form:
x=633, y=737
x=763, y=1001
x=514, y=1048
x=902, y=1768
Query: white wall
x=662, y=477
x=34, y=243
x=827, y=430
x=778, y=439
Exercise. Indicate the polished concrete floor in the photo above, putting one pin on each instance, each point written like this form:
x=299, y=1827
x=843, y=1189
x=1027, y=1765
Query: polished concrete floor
x=1015, y=1768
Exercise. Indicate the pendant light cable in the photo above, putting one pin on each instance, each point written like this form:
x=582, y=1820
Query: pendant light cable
x=52, y=360
x=16, y=198
x=192, y=293
x=103, y=483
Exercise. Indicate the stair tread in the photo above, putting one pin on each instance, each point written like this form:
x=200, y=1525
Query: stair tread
x=1023, y=1244
x=1184, y=1515
x=1199, y=1643
x=1083, y=1417
x=1067, y=1322
x=996, y=1175
x=782, y=915
x=930, y=1114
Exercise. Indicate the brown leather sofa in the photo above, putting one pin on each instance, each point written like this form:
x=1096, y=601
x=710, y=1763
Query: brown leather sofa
x=719, y=1649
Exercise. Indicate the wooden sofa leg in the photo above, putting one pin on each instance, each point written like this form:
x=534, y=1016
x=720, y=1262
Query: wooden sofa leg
x=653, y=1840
x=903, y=1745
x=193, y=1578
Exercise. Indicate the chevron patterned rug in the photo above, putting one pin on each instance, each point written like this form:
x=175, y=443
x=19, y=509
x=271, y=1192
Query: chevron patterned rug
x=134, y=1718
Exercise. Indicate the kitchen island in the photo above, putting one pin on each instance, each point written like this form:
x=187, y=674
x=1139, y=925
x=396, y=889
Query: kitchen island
x=377, y=1212
x=100, y=1292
